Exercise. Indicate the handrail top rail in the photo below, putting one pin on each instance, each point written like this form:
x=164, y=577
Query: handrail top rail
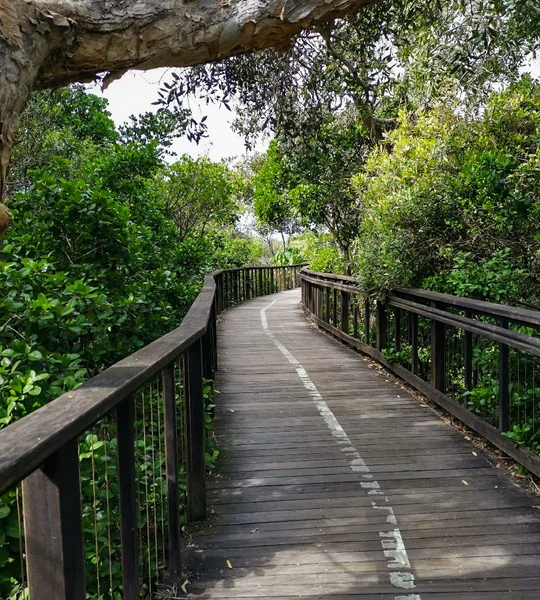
x=521, y=316
x=331, y=276
x=259, y=267
x=510, y=313
x=495, y=333
x=26, y=443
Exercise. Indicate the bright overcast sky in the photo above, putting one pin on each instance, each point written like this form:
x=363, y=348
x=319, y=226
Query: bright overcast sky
x=134, y=93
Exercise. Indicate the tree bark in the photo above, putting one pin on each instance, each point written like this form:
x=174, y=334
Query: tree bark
x=50, y=43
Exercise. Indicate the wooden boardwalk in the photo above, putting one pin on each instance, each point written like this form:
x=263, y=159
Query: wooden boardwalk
x=334, y=483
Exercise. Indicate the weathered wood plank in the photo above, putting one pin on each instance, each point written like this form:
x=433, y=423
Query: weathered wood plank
x=296, y=520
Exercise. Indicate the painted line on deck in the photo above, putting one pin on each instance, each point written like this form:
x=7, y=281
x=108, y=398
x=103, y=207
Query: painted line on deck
x=391, y=540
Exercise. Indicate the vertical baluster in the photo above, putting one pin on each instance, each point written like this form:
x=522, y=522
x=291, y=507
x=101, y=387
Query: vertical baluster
x=382, y=325
x=213, y=336
x=504, y=382
x=367, y=318
x=327, y=304
x=344, y=311
x=468, y=358
x=284, y=279
x=195, y=434
x=53, y=528
x=438, y=353
x=128, y=499
x=355, y=318
x=272, y=280
x=334, y=323
x=219, y=293
x=414, y=342
x=397, y=329
x=207, y=342
x=261, y=289
x=172, y=469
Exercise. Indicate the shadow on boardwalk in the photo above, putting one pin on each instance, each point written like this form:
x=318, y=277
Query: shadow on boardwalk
x=293, y=518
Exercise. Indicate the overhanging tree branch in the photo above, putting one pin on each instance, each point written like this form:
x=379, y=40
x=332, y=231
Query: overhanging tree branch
x=50, y=43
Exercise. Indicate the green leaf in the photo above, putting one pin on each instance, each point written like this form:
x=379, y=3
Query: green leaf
x=35, y=355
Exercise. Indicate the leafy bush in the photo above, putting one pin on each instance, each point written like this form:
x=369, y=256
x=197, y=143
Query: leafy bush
x=92, y=270
x=451, y=202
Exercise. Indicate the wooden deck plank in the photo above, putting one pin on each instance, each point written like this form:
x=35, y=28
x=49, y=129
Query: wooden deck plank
x=334, y=483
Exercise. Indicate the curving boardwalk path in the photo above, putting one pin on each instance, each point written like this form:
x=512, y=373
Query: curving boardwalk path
x=334, y=483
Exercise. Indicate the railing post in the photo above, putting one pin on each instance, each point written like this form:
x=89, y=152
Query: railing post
x=218, y=281
x=261, y=288
x=128, y=499
x=468, y=357
x=284, y=276
x=344, y=311
x=213, y=338
x=53, y=528
x=225, y=277
x=327, y=304
x=414, y=343
x=272, y=280
x=382, y=325
x=207, y=342
x=397, y=329
x=504, y=380
x=320, y=303
x=195, y=434
x=438, y=354
x=174, y=563
x=367, y=319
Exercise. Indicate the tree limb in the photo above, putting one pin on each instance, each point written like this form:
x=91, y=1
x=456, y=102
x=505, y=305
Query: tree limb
x=50, y=43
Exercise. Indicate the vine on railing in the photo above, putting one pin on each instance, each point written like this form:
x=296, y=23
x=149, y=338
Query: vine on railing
x=478, y=360
x=95, y=486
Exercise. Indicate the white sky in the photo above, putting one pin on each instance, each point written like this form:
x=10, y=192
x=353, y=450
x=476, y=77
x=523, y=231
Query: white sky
x=134, y=93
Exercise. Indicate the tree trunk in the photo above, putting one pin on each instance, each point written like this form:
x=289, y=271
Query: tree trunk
x=283, y=243
x=50, y=43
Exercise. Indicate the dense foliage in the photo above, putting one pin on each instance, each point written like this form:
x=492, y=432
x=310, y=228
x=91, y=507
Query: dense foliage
x=451, y=203
x=102, y=259
x=405, y=151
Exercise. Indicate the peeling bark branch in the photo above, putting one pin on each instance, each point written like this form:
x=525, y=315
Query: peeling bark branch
x=50, y=43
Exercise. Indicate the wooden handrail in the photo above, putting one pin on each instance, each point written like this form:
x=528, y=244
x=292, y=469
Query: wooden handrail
x=25, y=444
x=332, y=300
x=41, y=450
x=521, y=316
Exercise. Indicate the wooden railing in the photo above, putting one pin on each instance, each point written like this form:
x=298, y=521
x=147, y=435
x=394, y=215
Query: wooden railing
x=478, y=360
x=108, y=470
